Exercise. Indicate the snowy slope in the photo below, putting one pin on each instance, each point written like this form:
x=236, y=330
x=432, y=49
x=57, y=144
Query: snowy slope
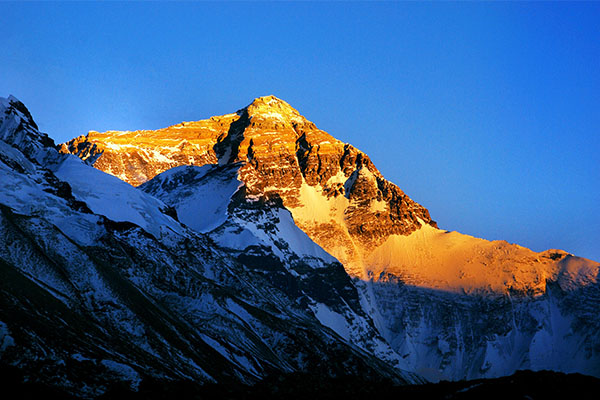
x=86, y=301
x=101, y=192
x=263, y=236
x=204, y=200
x=202, y=194
x=448, y=305
x=450, y=261
x=119, y=201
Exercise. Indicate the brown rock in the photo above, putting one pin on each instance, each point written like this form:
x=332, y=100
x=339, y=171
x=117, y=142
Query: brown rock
x=279, y=152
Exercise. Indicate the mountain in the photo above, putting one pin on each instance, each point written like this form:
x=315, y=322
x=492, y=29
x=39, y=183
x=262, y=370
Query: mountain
x=252, y=244
x=333, y=190
x=100, y=283
x=451, y=305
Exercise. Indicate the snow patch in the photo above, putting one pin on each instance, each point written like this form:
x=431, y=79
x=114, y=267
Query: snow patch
x=124, y=371
x=331, y=319
x=299, y=241
x=5, y=339
x=200, y=195
x=117, y=200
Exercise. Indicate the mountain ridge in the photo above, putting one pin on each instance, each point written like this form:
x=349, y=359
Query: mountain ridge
x=308, y=164
x=283, y=153
x=136, y=294
x=285, y=251
x=408, y=272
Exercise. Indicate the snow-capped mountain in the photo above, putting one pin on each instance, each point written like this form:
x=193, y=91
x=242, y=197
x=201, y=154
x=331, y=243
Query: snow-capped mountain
x=101, y=283
x=451, y=306
x=255, y=243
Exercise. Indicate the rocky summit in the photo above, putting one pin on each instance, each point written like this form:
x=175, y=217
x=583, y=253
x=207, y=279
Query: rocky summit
x=254, y=245
x=280, y=154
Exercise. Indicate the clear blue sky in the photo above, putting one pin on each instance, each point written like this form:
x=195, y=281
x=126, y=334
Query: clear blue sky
x=487, y=114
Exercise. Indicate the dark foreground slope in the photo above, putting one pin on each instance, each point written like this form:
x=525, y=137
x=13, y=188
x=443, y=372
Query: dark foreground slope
x=541, y=385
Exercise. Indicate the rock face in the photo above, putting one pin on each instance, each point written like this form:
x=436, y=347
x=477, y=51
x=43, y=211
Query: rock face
x=101, y=284
x=451, y=306
x=254, y=243
x=280, y=154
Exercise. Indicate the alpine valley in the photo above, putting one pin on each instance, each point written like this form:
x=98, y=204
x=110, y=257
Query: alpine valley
x=252, y=245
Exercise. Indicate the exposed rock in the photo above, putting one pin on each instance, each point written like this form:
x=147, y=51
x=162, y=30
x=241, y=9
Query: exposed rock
x=100, y=285
x=279, y=151
x=235, y=274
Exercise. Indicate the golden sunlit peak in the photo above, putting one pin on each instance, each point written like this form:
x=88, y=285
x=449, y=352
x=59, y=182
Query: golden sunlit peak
x=271, y=107
x=268, y=100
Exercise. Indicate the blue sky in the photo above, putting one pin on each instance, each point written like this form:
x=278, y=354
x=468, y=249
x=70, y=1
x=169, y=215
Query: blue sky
x=487, y=114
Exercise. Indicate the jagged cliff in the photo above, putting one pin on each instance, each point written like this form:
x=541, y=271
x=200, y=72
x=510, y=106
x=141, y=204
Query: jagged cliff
x=281, y=154
x=450, y=305
x=100, y=284
x=255, y=243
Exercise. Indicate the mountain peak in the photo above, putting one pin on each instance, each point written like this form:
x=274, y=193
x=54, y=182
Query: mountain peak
x=280, y=155
x=12, y=105
x=18, y=129
x=270, y=102
x=272, y=108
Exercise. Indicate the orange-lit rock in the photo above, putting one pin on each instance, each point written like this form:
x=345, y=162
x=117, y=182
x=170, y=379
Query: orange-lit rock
x=335, y=194
x=281, y=153
x=138, y=156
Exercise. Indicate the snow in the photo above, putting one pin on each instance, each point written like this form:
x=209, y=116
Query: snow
x=240, y=311
x=331, y=319
x=85, y=229
x=317, y=207
x=272, y=115
x=339, y=177
x=299, y=241
x=206, y=208
x=261, y=237
x=203, y=196
x=547, y=345
x=235, y=237
x=5, y=339
x=103, y=194
x=576, y=272
x=443, y=346
x=451, y=261
x=239, y=233
x=156, y=156
x=14, y=155
x=378, y=206
x=24, y=194
x=18, y=130
x=119, y=201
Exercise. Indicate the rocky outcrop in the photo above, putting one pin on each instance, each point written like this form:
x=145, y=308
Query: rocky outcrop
x=99, y=287
x=138, y=156
x=441, y=304
x=280, y=152
x=17, y=128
